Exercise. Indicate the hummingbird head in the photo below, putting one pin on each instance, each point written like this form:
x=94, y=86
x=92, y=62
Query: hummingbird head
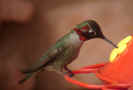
x=90, y=29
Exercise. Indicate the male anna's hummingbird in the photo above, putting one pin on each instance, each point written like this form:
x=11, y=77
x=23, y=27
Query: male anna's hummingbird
x=66, y=49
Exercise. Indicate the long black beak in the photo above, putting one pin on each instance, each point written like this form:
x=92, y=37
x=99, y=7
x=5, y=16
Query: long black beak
x=110, y=42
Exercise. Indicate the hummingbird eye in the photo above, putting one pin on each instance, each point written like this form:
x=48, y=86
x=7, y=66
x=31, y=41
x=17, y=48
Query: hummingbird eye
x=91, y=32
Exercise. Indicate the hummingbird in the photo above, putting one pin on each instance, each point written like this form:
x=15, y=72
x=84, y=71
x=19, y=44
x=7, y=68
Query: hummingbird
x=66, y=49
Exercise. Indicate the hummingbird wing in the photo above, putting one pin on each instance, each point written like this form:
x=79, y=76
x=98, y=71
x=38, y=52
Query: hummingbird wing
x=48, y=57
x=45, y=60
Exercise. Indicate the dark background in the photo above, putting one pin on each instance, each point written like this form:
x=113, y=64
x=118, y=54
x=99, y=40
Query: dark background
x=29, y=28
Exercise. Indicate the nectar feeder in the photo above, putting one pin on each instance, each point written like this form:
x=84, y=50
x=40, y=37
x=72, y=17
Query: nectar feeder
x=116, y=74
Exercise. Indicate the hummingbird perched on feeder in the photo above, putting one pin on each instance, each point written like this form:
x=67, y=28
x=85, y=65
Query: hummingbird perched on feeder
x=66, y=49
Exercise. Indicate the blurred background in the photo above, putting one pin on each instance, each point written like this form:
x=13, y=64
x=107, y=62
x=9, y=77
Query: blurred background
x=29, y=27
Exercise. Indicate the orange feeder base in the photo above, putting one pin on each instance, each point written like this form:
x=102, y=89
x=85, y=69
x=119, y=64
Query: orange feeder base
x=116, y=75
x=120, y=70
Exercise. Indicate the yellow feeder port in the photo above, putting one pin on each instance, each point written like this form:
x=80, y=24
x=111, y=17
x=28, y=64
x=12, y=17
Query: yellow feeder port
x=124, y=41
x=122, y=48
x=113, y=54
x=122, y=45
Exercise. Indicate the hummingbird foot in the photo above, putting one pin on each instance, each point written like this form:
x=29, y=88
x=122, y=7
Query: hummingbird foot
x=69, y=72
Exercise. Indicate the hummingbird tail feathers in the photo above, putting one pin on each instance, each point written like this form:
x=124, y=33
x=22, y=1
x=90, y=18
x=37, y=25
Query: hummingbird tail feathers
x=27, y=76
